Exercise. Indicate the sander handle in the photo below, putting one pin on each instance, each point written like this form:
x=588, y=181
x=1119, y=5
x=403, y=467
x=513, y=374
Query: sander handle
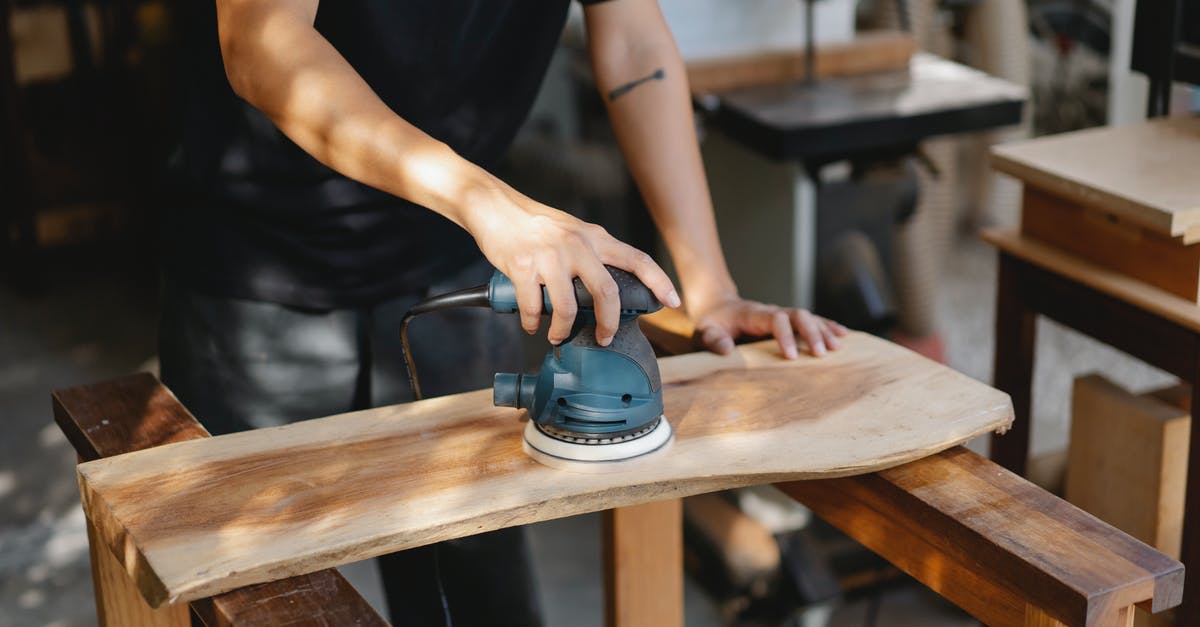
x=636, y=299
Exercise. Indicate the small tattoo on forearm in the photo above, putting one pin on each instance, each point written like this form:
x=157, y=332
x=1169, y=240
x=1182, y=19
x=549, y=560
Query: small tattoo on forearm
x=656, y=75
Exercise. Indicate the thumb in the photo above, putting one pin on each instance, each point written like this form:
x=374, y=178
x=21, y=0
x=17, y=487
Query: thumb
x=716, y=339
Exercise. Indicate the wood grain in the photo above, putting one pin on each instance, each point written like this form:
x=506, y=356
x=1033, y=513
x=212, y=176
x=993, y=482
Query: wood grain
x=877, y=51
x=1145, y=172
x=200, y=517
x=1110, y=241
x=643, y=565
x=993, y=543
x=1035, y=617
x=320, y=598
x=118, y=601
x=1128, y=461
x=138, y=412
x=1149, y=298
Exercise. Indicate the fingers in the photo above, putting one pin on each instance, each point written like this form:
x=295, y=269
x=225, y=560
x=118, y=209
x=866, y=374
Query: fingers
x=561, y=288
x=836, y=327
x=529, y=301
x=807, y=325
x=606, y=300
x=716, y=339
x=626, y=257
x=829, y=333
x=782, y=330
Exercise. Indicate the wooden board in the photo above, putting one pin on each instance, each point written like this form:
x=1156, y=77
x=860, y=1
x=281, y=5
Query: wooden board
x=1128, y=461
x=878, y=51
x=135, y=413
x=1145, y=172
x=643, y=565
x=1111, y=241
x=995, y=544
x=1152, y=299
x=196, y=518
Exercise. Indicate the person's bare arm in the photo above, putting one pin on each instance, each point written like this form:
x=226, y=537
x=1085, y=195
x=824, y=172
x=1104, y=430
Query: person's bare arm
x=641, y=77
x=279, y=63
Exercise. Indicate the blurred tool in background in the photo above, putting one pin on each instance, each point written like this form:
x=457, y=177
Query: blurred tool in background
x=86, y=103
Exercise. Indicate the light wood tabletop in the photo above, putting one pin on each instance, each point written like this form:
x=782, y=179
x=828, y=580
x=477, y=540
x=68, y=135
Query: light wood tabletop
x=1148, y=173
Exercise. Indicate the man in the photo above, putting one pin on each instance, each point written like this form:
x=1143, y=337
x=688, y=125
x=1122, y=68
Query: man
x=350, y=180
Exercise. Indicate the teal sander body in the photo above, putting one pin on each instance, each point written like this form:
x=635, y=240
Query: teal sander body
x=587, y=403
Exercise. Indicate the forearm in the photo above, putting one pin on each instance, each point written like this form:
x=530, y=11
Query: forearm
x=641, y=77
x=279, y=63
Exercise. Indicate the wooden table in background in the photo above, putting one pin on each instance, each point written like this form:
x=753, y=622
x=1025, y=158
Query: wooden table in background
x=1108, y=247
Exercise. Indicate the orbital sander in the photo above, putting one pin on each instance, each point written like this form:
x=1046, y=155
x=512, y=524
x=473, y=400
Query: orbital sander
x=587, y=403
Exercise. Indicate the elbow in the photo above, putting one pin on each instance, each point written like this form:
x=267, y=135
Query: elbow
x=236, y=55
x=233, y=57
x=621, y=57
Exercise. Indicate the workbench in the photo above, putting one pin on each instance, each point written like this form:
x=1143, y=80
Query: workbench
x=1108, y=246
x=766, y=143
x=296, y=500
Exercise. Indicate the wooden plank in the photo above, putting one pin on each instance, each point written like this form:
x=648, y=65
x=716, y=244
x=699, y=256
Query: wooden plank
x=320, y=598
x=128, y=414
x=118, y=601
x=643, y=565
x=312, y=495
x=873, y=51
x=1110, y=241
x=138, y=412
x=993, y=543
x=1149, y=298
x=1128, y=461
x=1144, y=172
x=1035, y=617
x=988, y=600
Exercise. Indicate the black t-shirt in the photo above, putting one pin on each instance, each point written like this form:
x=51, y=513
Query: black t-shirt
x=265, y=221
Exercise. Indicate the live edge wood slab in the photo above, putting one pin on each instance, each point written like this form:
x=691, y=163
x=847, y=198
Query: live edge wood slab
x=137, y=412
x=196, y=518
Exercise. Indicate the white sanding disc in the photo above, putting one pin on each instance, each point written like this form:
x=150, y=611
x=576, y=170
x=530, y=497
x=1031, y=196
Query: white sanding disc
x=571, y=456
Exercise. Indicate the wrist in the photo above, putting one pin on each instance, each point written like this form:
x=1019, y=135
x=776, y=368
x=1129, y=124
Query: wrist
x=708, y=290
x=444, y=182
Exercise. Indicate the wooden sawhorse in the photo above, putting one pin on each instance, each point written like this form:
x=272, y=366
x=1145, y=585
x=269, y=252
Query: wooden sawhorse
x=999, y=547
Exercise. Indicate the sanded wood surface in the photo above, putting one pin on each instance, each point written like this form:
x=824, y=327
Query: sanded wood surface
x=196, y=518
x=1152, y=299
x=1145, y=171
x=877, y=51
x=138, y=412
x=1111, y=241
x=995, y=544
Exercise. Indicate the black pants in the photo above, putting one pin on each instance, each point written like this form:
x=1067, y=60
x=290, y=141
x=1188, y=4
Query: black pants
x=241, y=365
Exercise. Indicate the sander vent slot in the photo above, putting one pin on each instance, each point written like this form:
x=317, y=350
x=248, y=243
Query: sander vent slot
x=580, y=421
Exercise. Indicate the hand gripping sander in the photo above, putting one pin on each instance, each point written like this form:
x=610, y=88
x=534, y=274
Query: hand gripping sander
x=587, y=403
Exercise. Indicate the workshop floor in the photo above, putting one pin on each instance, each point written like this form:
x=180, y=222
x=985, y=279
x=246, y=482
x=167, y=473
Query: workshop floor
x=97, y=322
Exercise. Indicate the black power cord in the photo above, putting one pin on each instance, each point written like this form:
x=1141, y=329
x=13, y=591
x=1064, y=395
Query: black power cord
x=469, y=297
